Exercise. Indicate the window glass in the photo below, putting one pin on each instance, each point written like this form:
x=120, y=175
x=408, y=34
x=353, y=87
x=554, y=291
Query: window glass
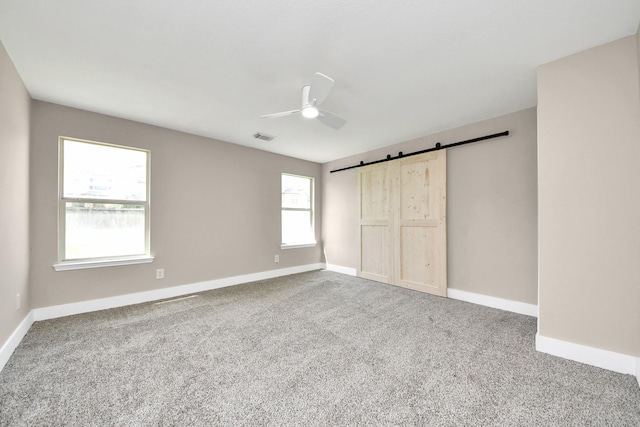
x=296, y=227
x=297, y=210
x=104, y=172
x=95, y=230
x=104, y=207
x=296, y=192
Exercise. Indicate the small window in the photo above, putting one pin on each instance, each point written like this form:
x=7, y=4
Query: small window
x=297, y=211
x=104, y=201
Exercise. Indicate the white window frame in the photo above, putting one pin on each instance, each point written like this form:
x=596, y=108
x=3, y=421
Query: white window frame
x=312, y=242
x=106, y=261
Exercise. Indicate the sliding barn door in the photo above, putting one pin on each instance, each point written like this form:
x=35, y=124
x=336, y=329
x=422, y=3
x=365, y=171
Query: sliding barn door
x=374, y=223
x=420, y=233
x=402, y=222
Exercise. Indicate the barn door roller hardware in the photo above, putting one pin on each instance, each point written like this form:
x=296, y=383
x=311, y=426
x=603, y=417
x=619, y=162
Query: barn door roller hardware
x=436, y=148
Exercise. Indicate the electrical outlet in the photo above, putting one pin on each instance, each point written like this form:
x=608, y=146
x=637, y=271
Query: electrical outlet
x=160, y=273
x=17, y=301
x=276, y=258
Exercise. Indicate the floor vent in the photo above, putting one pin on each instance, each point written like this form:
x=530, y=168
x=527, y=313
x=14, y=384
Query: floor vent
x=263, y=136
x=175, y=300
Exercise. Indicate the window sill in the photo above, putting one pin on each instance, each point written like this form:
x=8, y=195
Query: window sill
x=297, y=245
x=81, y=265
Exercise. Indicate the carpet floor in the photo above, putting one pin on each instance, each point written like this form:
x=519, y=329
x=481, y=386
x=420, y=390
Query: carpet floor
x=313, y=349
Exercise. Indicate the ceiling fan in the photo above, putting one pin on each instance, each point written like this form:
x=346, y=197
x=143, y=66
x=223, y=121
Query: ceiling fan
x=312, y=96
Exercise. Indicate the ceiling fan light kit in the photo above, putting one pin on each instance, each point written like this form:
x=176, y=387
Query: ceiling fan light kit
x=312, y=96
x=310, y=112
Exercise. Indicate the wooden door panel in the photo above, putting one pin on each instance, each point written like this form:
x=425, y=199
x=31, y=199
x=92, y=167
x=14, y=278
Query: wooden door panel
x=376, y=250
x=420, y=234
x=414, y=187
x=419, y=259
x=374, y=194
x=414, y=255
x=420, y=187
x=374, y=222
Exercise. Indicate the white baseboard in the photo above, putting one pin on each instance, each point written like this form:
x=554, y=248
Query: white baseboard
x=158, y=294
x=14, y=340
x=638, y=370
x=494, y=302
x=488, y=301
x=340, y=269
x=604, y=359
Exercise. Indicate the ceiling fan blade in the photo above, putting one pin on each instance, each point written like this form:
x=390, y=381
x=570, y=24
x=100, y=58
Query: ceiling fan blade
x=281, y=114
x=320, y=87
x=331, y=119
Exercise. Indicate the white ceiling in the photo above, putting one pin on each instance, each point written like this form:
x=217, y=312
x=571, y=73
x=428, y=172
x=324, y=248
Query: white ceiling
x=402, y=69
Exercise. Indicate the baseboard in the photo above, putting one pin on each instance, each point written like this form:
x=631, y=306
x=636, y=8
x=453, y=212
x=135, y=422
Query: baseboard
x=638, y=370
x=604, y=359
x=494, y=302
x=158, y=294
x=340, y=269
x=14, y=340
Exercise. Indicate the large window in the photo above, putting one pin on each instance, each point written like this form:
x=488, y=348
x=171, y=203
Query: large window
x=297, y=211
x=104, y=202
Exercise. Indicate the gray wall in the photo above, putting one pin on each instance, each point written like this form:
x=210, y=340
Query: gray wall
x=589, y=198
x=215, y=208
x=491, y=207
x=14, y=193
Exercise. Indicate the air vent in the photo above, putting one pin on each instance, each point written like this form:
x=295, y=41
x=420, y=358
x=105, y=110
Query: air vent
x=263, y=136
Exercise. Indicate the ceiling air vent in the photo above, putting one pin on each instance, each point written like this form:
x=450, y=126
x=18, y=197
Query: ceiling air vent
x=263, y=136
